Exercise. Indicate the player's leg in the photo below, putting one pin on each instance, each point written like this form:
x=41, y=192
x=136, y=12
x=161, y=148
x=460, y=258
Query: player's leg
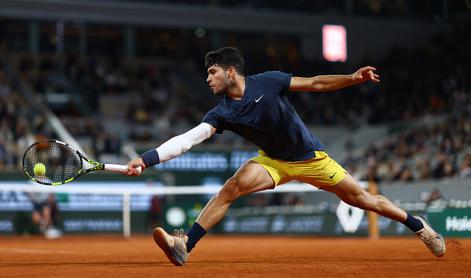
x=36, y=218
x=325, y=173
x=46, y=216
x=251, y=177
x=349, y=191
x=39, y=217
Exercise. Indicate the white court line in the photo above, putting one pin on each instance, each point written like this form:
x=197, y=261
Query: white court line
x=35, y=251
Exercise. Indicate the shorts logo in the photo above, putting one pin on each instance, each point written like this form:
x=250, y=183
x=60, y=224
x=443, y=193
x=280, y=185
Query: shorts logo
x=333, y=175
x=258, y=99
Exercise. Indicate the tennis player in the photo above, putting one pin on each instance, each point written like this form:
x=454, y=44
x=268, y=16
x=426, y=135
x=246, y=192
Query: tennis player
x=257, y=108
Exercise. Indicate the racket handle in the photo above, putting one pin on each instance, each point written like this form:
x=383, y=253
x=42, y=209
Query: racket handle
x=119, y=168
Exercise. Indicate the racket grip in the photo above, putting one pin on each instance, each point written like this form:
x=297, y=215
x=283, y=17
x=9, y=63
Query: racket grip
x=119, y=168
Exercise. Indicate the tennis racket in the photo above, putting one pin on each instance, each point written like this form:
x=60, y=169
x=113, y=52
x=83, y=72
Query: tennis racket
x=54, y=163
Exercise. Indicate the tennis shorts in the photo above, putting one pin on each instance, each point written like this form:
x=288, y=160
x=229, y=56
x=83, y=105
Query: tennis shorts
x=319, y=171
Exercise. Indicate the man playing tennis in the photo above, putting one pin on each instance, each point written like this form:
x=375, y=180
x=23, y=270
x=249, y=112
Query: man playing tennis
x=257, y=108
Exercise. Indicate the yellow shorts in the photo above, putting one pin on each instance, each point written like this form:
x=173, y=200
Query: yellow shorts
x=319, y=171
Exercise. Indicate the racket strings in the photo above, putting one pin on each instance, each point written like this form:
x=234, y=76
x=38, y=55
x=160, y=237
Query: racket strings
x=60, y=162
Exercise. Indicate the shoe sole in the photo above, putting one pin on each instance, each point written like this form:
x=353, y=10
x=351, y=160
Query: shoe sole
x=441, y=237
x=160, y=238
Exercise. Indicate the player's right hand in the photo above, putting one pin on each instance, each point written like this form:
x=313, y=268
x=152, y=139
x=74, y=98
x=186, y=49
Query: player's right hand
x=135, y=167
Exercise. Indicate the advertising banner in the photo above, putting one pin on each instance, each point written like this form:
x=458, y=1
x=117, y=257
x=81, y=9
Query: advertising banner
x=452, y=221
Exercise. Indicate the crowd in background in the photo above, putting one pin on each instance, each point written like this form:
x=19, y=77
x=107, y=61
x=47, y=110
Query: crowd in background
x=434, y=151
x=18, y=123
x=437, y=83
x=112, y=100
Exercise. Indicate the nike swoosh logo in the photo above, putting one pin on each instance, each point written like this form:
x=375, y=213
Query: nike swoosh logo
x=333, y=175
x=258, y=99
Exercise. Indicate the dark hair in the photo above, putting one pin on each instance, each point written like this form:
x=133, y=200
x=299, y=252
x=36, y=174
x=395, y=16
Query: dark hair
x=226, y=57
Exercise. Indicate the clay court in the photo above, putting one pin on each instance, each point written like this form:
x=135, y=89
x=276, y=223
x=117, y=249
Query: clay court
x=231, y=256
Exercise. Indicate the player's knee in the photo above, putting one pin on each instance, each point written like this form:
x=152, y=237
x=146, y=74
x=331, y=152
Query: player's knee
x=372, y=204
x=36, y=218
x=367, y=205
x=359, y=203
x=380, y=203
x=231, y=190
x=362, y=202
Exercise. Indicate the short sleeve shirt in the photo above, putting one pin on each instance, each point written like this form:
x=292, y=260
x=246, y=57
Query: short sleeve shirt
x=267, y=118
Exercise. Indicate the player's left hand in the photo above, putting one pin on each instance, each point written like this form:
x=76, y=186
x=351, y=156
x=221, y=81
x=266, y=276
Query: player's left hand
x=365, y=74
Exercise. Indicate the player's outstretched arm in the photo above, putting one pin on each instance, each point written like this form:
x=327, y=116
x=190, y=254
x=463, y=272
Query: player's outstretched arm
x=327, y=83
x=171, y=149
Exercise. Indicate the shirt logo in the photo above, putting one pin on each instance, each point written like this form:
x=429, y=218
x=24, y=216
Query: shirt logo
x=258, y=99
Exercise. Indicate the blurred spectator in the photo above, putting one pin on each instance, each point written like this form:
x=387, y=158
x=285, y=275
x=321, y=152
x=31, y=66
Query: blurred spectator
x=3, y=154
x=430, y=197
x=443, y=168
x=259, y=200
x=465, y=167
x=45, y=213
x=155, y=214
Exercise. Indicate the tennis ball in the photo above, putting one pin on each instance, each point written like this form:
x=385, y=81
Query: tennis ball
x=39, y=169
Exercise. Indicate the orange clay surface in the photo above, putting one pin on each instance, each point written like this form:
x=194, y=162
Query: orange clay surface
x=231, y=256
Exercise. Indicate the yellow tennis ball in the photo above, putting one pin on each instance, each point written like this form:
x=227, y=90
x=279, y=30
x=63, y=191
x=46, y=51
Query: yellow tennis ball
x=39, y=169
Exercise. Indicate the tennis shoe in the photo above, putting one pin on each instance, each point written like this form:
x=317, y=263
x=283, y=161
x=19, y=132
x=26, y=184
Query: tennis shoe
x=174, y=246
x=431, y=238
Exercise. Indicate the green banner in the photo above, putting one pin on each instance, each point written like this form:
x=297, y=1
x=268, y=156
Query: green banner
x=322, y=224
x=451, y=221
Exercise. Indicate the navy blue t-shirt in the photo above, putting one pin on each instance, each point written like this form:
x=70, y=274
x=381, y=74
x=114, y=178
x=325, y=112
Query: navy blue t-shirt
x=266, y=117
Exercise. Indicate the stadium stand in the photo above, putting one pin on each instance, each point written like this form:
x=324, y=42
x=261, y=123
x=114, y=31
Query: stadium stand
x=163, y=88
